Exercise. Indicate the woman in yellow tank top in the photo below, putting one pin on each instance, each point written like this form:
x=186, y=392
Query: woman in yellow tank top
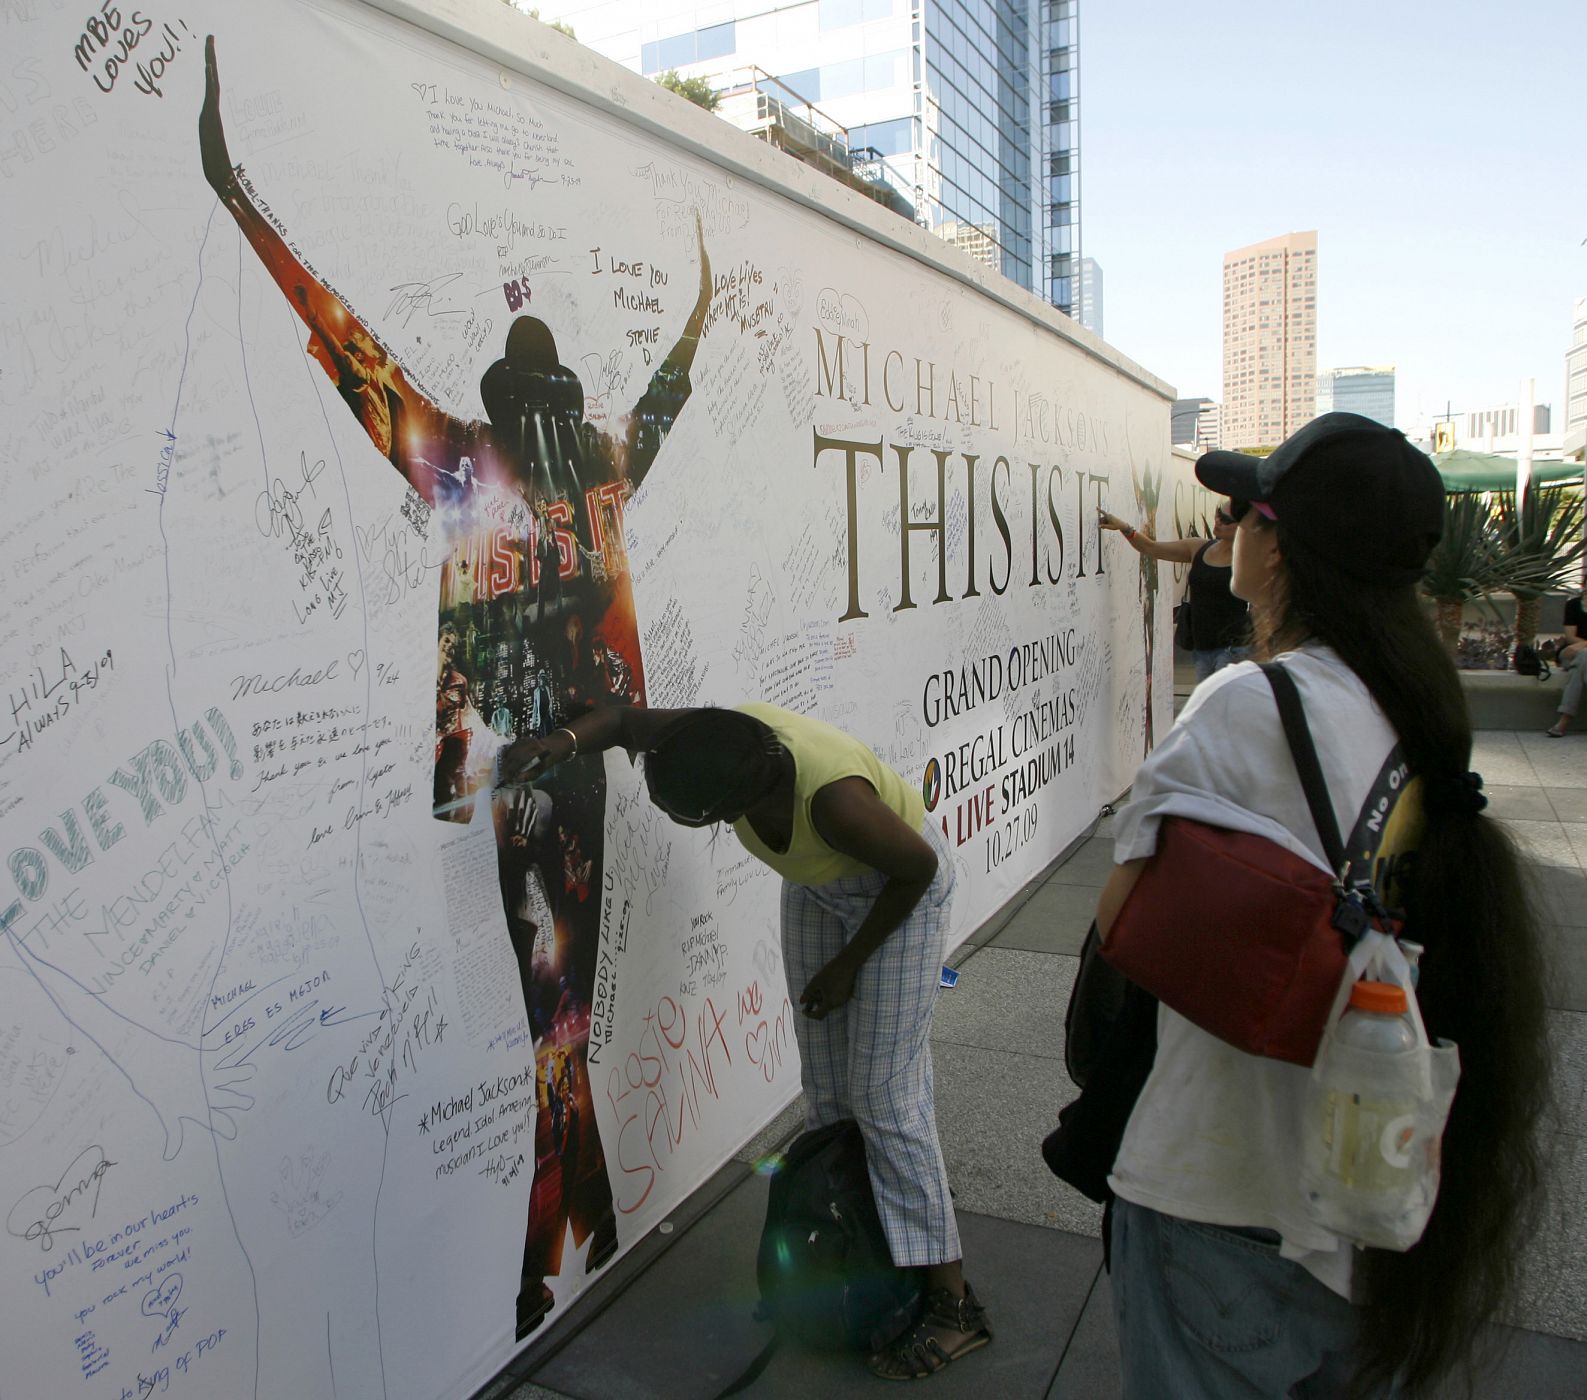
x=864, y=921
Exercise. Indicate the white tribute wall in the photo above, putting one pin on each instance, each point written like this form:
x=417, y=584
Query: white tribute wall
x=406, y=352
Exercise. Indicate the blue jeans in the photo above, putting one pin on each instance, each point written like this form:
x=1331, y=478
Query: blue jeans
x=1215, y=660
x=1204, y=1311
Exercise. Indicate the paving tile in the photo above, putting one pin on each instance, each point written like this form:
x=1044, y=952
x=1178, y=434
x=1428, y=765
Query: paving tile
x=989, y=928
x=1010, y=909
x=1500, y=758
x=1090, y=1368
x=1516, y=1362
x=1553, y=1292
x=686, y=1327
x=993, y=1110
x=614, y=1281
x=527, y=1391
x=1560, y=763
x=1576, y=835
x=1053, y=920
x=1007, y=999
x=1561, y=894
x=1566, y=950
x=1543, y=843
x=1567, y=1031
x=1569, y=803
x=1035, y=1284
x=1529, y=803
x=1090, y=865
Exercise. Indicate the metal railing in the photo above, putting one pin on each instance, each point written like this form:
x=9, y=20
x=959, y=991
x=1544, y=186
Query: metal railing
x=765, y=106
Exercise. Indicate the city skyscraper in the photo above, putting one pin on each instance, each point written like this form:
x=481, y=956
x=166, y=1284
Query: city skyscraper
x=971, y=110
x=1194, y=424
x=1089, y=305
x=1269, y=340
x=1575, y=424
x=1364, y=389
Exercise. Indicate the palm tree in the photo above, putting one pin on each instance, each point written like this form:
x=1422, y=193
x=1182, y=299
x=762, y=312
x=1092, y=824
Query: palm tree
x=1538, y=549
x=1464, y=565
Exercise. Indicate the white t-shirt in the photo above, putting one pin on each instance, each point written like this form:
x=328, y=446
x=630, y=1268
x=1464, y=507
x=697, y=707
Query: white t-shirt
x=1213, y=1135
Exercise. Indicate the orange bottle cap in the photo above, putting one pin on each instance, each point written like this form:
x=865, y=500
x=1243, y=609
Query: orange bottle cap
x=1385, y=997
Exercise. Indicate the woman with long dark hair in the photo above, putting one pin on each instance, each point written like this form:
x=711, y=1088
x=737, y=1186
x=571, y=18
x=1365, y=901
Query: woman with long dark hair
x=1222, y=1283
x=867, y=882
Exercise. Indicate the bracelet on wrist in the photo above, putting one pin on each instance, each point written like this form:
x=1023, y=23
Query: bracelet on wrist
x=1130, y=532
x=572, y=739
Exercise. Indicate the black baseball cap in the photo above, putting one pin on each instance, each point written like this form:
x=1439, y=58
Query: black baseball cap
x=1345, y=488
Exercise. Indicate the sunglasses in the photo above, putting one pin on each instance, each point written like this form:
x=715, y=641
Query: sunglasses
x=1224, y=518
x=699, y=811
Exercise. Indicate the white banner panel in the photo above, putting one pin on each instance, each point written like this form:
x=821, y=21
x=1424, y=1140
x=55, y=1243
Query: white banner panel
x=377, y=360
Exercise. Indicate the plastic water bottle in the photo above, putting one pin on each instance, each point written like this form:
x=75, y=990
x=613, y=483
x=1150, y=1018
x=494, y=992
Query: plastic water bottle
x=1362, y=1166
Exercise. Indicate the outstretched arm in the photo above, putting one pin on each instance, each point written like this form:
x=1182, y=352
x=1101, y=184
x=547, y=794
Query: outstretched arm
x=605, y=727
x=658, y=408
x=1169, y=551
x=326, y=317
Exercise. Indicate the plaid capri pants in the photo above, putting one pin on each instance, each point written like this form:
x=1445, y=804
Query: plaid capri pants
x=870, y=1060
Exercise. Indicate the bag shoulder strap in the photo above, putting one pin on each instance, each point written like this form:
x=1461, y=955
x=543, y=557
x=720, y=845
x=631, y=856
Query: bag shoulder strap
x=752, y=1373
x=1304, y=752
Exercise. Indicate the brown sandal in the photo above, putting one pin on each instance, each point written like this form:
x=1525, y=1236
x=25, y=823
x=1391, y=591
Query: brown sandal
x=920, y=1352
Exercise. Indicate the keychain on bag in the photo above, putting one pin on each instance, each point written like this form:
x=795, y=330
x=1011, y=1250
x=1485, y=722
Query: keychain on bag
x=1377, y=1102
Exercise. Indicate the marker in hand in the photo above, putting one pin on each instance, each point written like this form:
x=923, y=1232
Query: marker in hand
x=525, y=759
x=523, y=775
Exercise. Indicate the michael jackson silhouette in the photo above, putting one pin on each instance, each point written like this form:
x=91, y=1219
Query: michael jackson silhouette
x=535, y=596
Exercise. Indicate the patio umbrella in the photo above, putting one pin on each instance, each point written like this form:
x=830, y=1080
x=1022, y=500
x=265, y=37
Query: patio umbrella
x=1464, y=470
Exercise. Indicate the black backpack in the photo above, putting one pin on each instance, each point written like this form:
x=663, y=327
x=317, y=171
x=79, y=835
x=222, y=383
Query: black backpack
x=825, y=1273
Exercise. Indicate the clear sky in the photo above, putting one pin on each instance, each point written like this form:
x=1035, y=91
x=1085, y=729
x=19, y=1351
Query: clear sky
x=1438, y=147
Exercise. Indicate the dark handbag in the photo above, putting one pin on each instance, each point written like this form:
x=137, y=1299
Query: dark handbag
x=1184, y=632
x=1529, y=662
x=1110, y=1042
x=1238, y=935
x=1095, y=1002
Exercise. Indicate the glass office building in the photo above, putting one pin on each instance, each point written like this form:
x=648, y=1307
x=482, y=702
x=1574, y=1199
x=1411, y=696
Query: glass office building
x=1364, y=389
x=1060, y=200
x=1088, y=304
x=1576, y=382
x=971, y=107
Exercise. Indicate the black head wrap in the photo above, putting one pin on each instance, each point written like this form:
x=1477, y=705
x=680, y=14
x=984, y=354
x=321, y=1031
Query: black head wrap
x=710, y=762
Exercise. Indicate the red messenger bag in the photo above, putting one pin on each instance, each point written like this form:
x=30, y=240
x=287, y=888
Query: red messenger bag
x=1237, y=934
